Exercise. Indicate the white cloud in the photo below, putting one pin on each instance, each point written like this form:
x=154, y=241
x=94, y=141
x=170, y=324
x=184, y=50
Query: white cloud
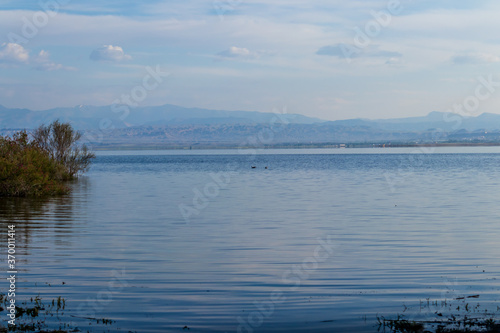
x=42, y=62
x=241, y=53
x=109, y=53
x=13, y=54
x=394, y=61
x=237, y=52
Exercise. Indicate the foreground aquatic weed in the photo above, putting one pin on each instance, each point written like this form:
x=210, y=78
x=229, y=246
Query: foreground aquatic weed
x=32, y=316
x=445, y=318
x=401, y=325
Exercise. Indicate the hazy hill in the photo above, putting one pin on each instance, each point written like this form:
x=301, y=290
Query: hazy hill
x=434, y=120
x=121, y=116
x=174, y=125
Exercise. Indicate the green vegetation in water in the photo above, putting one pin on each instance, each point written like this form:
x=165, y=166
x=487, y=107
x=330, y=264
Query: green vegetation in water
x=448, y=325
x=36, y=316
x=466, y=317
x=39, y=164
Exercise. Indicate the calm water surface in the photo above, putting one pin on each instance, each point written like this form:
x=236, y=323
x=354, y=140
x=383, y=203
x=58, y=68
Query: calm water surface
x=160, y=240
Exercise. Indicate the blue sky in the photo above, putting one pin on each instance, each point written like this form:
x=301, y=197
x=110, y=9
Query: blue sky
x=328, y=59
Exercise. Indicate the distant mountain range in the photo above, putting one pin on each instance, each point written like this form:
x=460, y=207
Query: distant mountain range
x=175, y=126
x=435, y=120
x=86, y=117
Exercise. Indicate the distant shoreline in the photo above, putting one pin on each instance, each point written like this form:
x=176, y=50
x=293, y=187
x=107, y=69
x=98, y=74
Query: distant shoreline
x=289, y=146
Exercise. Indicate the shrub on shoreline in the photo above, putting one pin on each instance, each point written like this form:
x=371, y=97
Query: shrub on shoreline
x=34, y=168
x=59, y=141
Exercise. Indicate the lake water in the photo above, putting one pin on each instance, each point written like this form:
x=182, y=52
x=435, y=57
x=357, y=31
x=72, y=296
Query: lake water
x=320, y=241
